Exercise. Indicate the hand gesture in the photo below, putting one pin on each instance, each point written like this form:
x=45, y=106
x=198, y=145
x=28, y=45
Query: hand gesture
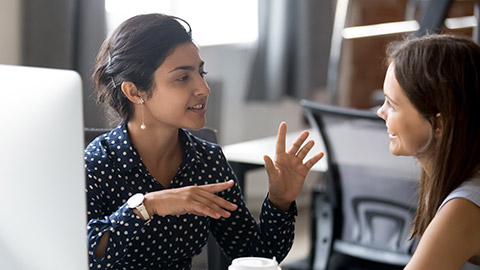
x=287, y=174
x=197, y=200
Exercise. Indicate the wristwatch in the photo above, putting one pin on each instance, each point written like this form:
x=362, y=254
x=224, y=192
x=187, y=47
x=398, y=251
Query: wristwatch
x=136, y=201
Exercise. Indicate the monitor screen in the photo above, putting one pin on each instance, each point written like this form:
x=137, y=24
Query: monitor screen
x=42, y=191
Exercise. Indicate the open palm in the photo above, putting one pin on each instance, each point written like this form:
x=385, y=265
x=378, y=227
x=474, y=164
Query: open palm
x=286, y=175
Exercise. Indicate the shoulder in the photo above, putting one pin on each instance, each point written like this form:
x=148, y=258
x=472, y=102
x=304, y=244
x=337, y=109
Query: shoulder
x=201, y=145
x=96, y=149
x=453, y=235
x=459, y=221
x=461, y=210
x=106, y=145
x=451, y=238
x=469, y=190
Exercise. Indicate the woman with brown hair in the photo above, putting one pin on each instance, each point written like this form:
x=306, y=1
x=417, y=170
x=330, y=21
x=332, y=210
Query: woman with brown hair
x=432, y=112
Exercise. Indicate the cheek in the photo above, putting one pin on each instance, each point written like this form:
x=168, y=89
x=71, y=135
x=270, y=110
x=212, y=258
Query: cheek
x=169, y=98
x=393, y=122
x=423, y=134
x=416, y=136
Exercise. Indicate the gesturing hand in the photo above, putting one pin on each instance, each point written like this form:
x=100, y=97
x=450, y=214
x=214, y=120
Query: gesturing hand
x=198, y=200
x=287, y=174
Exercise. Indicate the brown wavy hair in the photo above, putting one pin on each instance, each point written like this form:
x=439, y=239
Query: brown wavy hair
x=441, y=74
x=133, y=52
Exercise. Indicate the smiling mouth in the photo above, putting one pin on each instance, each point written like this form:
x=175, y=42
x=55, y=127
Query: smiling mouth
x=391, y=135
x=197, y=107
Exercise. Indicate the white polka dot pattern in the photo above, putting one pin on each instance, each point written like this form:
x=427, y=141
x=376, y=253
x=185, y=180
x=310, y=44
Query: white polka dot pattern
x=114, y=172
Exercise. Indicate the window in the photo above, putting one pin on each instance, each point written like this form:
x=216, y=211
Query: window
x=213, y=21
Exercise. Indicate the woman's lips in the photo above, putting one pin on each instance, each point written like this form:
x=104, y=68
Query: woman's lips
x=199, y=108
x=392, y=136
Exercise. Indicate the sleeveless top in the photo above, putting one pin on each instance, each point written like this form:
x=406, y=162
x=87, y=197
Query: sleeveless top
x=469, y=190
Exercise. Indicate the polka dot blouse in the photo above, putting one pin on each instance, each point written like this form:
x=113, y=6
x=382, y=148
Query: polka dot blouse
x=114, y=172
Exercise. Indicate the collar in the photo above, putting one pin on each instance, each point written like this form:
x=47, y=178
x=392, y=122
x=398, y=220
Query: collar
x=194, y=149
x=123, y=152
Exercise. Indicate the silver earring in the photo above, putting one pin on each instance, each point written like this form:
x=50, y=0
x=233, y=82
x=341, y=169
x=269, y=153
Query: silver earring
x=142, y=102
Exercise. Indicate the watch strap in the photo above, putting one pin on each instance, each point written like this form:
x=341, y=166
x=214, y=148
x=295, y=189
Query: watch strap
x=143, y=211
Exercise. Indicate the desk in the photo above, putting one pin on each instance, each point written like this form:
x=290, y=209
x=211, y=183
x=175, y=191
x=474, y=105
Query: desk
x=248, y=155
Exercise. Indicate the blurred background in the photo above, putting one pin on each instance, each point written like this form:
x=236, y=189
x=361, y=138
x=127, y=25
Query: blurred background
x=262, y=56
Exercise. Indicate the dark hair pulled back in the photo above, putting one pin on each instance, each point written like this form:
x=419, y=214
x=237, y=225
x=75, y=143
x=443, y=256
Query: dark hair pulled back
x=133, y=52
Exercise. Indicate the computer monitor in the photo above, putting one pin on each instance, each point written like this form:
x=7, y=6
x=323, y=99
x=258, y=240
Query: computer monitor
x=42, y=190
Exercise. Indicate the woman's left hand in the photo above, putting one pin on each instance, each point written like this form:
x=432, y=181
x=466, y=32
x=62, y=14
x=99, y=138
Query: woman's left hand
x=287, y=174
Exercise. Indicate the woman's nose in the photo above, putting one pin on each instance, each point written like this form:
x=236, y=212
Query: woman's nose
x=381, y=112
x=203, y=88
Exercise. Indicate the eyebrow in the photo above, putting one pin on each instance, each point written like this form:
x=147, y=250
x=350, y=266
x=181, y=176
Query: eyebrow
x=391, y=100
x=190, y=68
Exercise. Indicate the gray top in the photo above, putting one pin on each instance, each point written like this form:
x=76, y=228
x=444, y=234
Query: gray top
x=469, y=190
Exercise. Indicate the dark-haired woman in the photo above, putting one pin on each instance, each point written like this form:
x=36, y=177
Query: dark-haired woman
x=432, y=112
x=154, y=191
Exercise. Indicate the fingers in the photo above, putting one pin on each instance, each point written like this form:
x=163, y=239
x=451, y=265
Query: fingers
x=216, y=209
x=309, y=164
x=198, y=200
x=281, y=137
x=209, y=204
x=269, y=167
x=214, y=188
x=298, y=143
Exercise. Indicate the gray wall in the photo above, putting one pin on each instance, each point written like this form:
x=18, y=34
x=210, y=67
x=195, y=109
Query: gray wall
x=230, y=65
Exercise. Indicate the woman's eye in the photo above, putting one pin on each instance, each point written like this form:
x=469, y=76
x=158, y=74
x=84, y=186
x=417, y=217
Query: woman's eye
x=183, y=78
x=203, y=74
x=389, y=104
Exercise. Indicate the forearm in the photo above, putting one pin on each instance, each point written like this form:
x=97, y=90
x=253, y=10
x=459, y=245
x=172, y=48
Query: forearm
x=102, y=246
x=280, y=204
x=107, y=237
x=273, y=237
x=278, y=229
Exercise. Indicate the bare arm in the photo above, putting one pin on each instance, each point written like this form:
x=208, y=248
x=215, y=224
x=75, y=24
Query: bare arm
x=451, y=239
x=102, y=246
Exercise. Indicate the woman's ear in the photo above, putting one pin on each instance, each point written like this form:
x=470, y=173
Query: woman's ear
x=438, y=122
x=131, y=92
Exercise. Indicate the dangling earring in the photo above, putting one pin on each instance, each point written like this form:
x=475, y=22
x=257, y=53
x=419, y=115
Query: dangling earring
x=142, y=102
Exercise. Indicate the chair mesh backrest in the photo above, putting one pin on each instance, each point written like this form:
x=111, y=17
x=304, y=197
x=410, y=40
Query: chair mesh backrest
x=377, y=190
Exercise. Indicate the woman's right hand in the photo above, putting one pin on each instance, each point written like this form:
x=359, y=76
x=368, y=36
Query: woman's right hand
x=197, y=200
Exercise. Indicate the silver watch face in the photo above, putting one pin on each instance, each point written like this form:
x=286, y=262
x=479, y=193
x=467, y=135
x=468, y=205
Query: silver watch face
x=135, y=200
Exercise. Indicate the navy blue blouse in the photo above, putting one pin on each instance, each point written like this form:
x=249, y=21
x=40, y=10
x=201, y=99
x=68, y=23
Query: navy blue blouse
x=115, y=171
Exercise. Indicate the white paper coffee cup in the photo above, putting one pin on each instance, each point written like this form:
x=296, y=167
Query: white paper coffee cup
x=254, y=263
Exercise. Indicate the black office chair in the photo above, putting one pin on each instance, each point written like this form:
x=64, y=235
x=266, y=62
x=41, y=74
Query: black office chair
x=212, y=257
x=362, y=215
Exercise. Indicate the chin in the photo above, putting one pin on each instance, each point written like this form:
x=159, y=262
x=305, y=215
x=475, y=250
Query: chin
x=196, y=126
x=396, y=152
x=399, y=152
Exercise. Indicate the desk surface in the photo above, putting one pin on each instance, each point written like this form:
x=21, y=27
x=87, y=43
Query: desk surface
x=252, y=152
